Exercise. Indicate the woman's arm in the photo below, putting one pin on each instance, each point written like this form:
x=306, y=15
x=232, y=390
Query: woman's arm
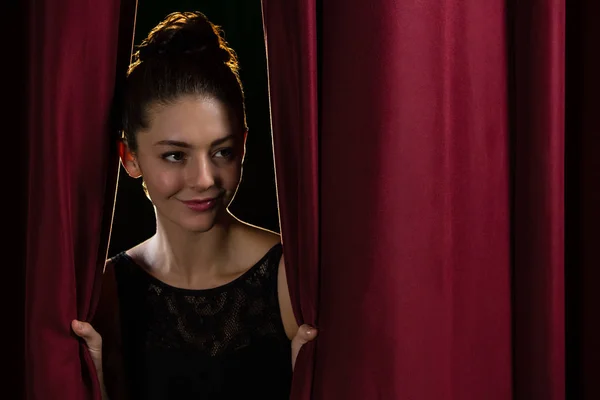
x=103, y=338
x=298, y=335
x=93, y=341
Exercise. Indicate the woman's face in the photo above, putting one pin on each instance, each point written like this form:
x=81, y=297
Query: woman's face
x=190, y=158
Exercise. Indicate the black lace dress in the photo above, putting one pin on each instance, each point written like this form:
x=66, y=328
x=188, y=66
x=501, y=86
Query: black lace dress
x=221, y=343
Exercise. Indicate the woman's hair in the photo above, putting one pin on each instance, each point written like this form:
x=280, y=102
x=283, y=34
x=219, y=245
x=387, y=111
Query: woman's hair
x=183, y=55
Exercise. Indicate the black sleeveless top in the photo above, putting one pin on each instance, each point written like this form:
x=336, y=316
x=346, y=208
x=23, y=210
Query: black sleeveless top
x=222, y=343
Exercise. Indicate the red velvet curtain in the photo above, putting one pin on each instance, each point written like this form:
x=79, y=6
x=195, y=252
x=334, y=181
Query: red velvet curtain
x=77, y=51
x=415, y=205
x=537, y=102
x=435, y=146
x=293, y=53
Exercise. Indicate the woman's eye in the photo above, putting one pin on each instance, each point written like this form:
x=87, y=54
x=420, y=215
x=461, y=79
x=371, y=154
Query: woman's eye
x=224, y=153
x=175, y=157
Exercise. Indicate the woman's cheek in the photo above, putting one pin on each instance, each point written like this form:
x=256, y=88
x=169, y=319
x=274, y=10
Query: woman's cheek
x=168, y=182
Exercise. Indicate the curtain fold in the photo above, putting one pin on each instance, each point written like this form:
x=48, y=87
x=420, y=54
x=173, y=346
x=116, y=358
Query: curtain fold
x=71, y=180
x=415, y=202
x=292, y=61
x=538, y=141
x=440, y=163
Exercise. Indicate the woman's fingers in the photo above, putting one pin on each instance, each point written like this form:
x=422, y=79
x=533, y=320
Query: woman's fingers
x=305, y=334
x=92, y=339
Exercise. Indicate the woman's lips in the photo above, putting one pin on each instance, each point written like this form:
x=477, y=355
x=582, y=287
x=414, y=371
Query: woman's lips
x=200, y=205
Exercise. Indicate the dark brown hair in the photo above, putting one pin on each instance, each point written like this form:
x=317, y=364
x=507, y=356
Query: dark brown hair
x=185, y=54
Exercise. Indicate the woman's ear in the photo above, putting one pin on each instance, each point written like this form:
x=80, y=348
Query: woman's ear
x=129, y=160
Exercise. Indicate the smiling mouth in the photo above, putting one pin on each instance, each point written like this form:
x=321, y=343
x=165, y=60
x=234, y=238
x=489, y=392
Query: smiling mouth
x=201, y=205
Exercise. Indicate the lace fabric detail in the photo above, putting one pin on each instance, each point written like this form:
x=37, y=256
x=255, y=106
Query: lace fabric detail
x=220, y=342
x=212, y=321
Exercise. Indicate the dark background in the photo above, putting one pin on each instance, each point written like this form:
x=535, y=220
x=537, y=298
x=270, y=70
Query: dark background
x=256, y=200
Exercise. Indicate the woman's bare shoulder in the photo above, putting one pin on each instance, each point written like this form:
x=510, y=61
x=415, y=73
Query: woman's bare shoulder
x=254, y=242
x=136, y=253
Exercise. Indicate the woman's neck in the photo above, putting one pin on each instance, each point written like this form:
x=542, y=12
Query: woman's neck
x=190, y=256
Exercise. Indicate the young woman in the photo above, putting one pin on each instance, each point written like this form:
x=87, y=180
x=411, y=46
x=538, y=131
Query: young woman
x=201, y=309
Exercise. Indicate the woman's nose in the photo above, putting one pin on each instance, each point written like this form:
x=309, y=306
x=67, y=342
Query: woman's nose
x=200, y=174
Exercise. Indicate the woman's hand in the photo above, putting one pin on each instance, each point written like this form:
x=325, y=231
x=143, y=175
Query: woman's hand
x=305, y=334
x=93, y=341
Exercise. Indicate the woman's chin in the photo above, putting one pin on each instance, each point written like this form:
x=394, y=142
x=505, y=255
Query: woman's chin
x=204, y=222
x=196, y=221
x=199, y=223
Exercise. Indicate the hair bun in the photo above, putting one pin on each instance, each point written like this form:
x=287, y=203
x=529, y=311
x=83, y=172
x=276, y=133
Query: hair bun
x=188, y=34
